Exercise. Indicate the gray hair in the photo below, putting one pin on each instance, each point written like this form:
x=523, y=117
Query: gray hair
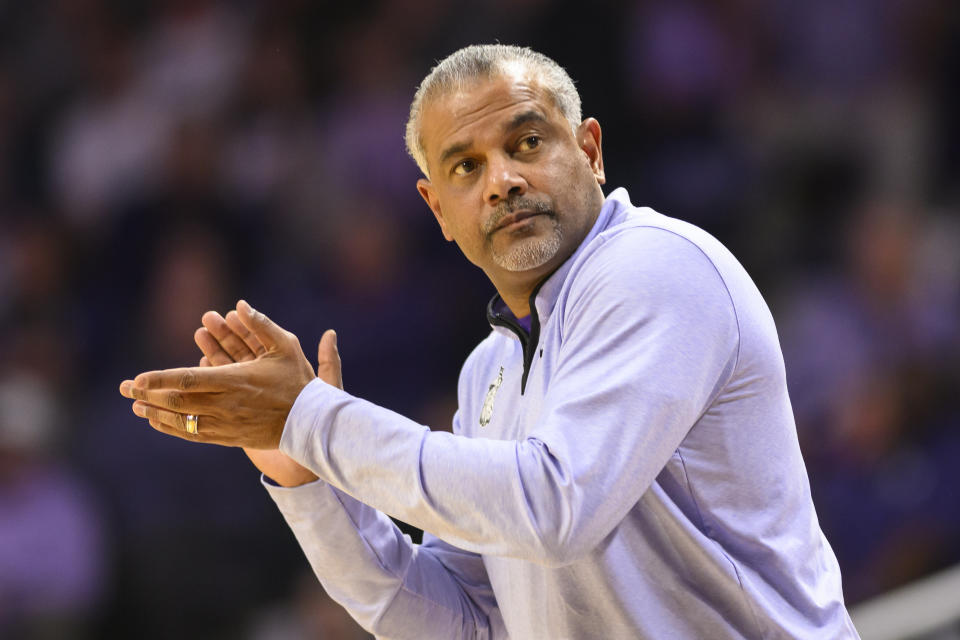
x=485, y=61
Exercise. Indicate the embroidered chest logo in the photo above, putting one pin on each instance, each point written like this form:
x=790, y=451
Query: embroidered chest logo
x=487, y=412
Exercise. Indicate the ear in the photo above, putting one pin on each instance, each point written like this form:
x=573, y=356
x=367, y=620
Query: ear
x=429, y=194
x=589, y=139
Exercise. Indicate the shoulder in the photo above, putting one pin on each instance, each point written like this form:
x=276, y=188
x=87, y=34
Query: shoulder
x=649, y=255
x=647, y=277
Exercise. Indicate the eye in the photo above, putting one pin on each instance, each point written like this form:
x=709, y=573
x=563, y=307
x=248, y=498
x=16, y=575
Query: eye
x=529, y=143
x=464, y=167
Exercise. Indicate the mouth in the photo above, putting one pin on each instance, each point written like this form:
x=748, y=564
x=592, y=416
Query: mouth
x=516, y=218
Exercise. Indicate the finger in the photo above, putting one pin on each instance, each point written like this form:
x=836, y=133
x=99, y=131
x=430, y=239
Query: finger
x=191, y=379
x=175, y=424
x=210, y=346
x=179, y=401
x=269, y=334
x=229, y=341
x=328, y=360
x=161, y=419
x=204, y=362
x=253, y=343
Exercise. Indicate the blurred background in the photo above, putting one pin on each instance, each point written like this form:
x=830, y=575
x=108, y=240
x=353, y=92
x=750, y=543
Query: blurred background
x=158, y=159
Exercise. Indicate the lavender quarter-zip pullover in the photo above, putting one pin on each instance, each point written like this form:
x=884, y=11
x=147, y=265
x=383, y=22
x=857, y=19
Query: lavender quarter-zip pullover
x=629, y=469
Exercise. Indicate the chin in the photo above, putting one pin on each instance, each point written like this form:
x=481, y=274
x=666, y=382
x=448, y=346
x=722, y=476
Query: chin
x=528, y=257
x=532, y=253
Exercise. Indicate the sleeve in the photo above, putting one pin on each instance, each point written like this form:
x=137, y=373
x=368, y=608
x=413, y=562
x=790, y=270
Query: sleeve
x=649, y=338
x=392, y=587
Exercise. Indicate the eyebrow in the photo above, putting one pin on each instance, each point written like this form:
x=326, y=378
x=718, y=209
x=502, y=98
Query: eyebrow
x=523, y=118
x=518, y=121
x=453, y=150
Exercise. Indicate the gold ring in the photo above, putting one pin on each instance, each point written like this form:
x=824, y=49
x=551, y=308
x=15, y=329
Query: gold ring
x=193, y=424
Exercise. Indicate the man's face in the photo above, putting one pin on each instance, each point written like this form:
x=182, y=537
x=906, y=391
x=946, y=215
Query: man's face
x=510, y=181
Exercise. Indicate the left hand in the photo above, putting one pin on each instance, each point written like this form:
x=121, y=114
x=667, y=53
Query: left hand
x=242, y=405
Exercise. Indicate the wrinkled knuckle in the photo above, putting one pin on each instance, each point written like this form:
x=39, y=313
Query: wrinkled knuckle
x=188, y=380
x=181, y=421
x=174, y=400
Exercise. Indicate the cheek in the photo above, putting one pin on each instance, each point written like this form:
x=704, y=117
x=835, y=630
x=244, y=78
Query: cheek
x=465, y=231
x=566, y=161
x=470, y=240
x=568, y=177
x=450, y=216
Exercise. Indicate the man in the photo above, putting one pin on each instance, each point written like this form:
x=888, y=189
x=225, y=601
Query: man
x=623, y=462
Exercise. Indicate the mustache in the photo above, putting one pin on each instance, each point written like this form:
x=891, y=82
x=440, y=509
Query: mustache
x=509, y=206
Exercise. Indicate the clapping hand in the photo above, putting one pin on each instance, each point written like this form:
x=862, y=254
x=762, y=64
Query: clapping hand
x=248, y=379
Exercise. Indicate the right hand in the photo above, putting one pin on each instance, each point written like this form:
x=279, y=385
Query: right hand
x=224, y=340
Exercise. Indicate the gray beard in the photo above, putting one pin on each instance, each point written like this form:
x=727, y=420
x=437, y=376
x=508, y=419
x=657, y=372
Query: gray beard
x=530, y=253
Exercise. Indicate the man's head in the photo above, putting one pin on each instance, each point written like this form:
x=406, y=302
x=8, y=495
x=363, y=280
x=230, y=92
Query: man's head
x=476, y=62
x=513, y=176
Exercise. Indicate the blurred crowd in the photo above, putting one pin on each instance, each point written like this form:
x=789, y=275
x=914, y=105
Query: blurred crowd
x=162, y=158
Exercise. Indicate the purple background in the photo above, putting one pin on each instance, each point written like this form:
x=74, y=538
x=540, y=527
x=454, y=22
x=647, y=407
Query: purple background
x=158, y=159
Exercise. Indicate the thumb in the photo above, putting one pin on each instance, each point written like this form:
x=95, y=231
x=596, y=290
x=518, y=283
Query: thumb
x=328, y=360
x=269, y=334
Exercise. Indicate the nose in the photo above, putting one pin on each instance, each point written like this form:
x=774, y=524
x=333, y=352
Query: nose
x=503, y=181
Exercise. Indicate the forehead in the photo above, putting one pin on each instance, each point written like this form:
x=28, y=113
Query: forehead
x=483, y=105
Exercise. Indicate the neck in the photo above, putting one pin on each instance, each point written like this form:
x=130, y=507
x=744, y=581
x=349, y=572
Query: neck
x=516, y=293
x=518, y=303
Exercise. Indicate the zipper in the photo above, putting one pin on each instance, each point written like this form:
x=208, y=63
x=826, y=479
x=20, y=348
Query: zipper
x=529, y=341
